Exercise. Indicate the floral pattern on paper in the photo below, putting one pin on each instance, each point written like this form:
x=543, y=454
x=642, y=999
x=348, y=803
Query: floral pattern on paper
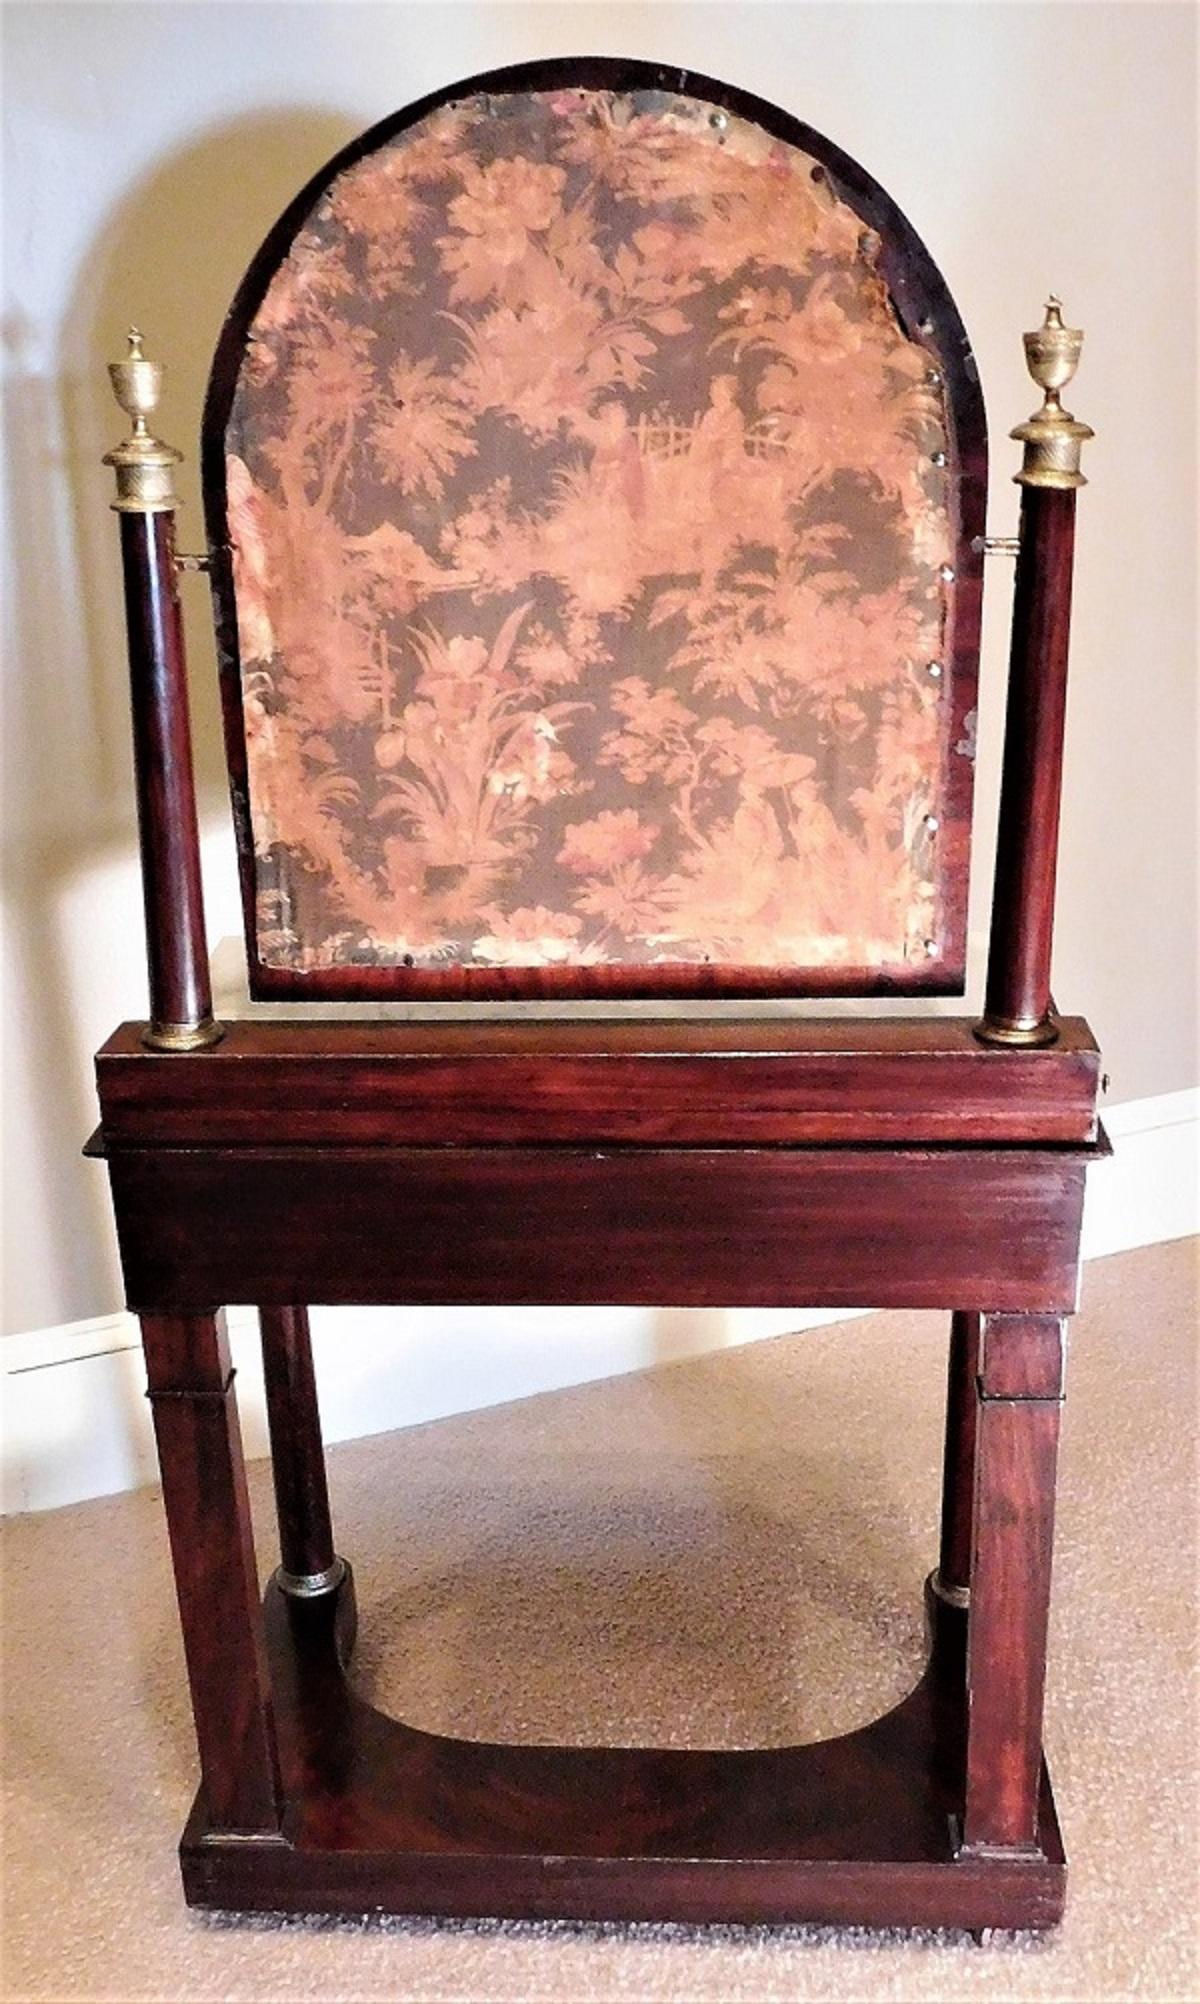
x=588, y=505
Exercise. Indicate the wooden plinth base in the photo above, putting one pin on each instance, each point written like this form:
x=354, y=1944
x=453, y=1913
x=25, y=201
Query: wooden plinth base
x=859, y=1830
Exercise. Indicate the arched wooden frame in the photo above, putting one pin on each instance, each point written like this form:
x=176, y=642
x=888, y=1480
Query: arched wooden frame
x=927, y=313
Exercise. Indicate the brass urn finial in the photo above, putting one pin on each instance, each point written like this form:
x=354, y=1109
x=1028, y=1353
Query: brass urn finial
x=1052, y=437
x=143, y=463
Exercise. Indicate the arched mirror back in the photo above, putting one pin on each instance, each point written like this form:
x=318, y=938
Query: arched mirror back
x=593, y=460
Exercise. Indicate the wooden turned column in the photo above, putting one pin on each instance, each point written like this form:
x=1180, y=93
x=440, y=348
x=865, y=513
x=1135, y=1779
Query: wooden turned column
x=1018, y=1007
x=309, y=1563
x=952, y=1580
x=181, y=1017
x=1019, y=1406
x=208, y=1518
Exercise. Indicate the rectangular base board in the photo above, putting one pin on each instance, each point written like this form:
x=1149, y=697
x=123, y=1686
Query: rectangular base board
x=382, y=1818
x=257, y=1875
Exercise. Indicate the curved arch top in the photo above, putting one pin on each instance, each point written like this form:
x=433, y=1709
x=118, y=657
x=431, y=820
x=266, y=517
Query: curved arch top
x=593, y=459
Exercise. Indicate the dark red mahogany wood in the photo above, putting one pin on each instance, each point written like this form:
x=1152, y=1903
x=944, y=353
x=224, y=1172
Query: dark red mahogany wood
x=663, y=982
x=924, y=304
x=208, y=1518
x=865, y=1829
x=381, y=1817
x=896, y=1163
x=176, y=948
x=1018, y=984
x=958, y=1472
x=767, y=1227
x=679, y=1083
x=297, y=1454
x=1020, y=1397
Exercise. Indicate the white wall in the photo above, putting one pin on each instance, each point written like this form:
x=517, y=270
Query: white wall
x=149, y=147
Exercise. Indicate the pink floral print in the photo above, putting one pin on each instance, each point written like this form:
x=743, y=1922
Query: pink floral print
x=589, y=504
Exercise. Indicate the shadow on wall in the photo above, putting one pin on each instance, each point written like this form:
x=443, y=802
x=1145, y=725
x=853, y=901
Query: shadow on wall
x=169, y=257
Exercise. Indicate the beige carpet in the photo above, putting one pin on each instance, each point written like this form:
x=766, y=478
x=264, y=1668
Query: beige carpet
x=723, y=1551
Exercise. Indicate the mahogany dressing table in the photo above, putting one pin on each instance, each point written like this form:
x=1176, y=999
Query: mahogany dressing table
x=594, y=466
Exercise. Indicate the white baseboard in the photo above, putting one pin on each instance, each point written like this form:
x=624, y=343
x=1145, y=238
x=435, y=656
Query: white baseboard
x=74, y=1422
x=1149, y=1189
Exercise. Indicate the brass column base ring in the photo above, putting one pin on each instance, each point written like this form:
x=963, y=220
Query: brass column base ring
x=999, y=1030
x=310, y=1586
x=950, y=1596
x=183, y=1036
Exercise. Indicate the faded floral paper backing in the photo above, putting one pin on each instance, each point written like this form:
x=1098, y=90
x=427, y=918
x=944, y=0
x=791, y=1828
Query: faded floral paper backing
x=587, y=520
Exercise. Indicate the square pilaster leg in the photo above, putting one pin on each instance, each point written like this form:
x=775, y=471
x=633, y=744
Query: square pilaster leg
x=1020, y=1391
x=212, y=1549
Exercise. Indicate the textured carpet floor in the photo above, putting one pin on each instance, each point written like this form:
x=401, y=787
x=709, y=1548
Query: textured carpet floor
x=717, y=1552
